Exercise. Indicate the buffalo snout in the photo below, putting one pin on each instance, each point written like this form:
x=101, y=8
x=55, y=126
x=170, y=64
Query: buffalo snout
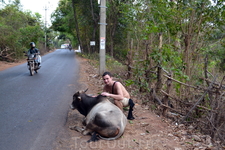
x=72, y=107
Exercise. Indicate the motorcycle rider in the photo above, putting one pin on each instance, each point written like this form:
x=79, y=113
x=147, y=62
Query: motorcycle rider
x=70, y=47
x=35, y=51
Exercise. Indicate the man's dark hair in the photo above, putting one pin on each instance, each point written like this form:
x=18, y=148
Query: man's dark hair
x=107, y=73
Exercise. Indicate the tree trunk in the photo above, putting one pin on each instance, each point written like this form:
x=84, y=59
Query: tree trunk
x=112, y=34
x=187, y=40
x=159, y=71
x=76, y=25
x=149, y=60
x=95, y=24
x=111, y=45
x=166, y=98
x=130, y=59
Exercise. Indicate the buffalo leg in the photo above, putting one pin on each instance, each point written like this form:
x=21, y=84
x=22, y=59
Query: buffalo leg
x=79, y=129
x=130, y=113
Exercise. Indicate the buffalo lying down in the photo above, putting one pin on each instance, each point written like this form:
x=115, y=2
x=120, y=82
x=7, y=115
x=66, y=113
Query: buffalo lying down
x=102, y=118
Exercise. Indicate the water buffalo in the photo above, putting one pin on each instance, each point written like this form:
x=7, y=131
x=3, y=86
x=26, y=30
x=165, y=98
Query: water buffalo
x=102, y=118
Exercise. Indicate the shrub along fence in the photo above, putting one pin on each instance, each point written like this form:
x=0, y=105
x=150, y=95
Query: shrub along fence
x=203, y=106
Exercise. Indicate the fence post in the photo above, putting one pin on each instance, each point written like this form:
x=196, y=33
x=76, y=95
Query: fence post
x=166, y=98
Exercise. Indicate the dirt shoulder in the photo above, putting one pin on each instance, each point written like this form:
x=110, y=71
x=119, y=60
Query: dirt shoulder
x=147, y=131
x=5, y=65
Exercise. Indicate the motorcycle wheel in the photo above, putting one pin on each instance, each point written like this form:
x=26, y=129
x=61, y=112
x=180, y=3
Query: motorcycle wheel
x=31, y=69
x=36, y=68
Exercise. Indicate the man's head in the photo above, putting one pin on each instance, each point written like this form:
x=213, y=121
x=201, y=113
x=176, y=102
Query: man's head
x=107, y=78
x=32, y=44
x=107, y=73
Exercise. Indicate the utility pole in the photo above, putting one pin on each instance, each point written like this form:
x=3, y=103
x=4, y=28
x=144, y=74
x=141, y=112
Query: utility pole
x=102, y=36
x=46, y=9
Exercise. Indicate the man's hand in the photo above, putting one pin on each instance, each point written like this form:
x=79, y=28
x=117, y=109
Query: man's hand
x=105, y=94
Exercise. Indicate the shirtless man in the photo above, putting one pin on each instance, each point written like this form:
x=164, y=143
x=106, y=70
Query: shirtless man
x=118, y=92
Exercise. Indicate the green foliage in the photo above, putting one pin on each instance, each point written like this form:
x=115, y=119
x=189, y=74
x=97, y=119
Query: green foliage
x=176, y=36
x=18, y=29
x=217, y=57
x=114, y=65
x=112, y=62
x=87, y=21
x=36, y=31
x=136, y=25
x=129, y=82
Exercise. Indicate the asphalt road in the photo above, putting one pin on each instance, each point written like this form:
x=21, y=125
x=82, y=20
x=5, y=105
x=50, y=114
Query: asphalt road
x=34, y=108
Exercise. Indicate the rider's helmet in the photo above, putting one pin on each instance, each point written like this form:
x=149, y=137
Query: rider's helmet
x=32, y=44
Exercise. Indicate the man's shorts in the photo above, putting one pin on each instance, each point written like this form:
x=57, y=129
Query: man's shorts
x=125, y=102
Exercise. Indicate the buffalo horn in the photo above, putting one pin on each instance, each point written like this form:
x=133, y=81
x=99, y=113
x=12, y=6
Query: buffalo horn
x=79, y=97
x=86, y=90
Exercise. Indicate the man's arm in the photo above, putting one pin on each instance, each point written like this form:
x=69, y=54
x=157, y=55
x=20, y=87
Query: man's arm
x=114, y=96
x=37, y=51
x=118, y=90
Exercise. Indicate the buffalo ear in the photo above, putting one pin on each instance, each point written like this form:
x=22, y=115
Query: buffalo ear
x=79, y=92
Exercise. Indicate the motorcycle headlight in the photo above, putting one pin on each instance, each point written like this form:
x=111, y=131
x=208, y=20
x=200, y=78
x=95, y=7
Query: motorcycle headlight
x=31, y=56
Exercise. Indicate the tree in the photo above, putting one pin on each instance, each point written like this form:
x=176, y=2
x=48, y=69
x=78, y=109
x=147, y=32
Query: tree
x=17, y=28
x=83, y=28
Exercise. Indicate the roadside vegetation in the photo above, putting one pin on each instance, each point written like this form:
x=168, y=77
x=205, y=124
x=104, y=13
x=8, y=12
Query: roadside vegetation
x=19, y=27
x=171, y=52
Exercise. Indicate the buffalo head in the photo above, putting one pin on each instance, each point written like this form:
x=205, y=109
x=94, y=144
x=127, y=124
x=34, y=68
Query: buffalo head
x=77, y=99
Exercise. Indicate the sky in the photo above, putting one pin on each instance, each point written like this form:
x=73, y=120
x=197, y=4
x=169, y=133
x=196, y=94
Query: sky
x=40, y=6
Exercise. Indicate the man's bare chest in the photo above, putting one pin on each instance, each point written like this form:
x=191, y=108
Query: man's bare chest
x=108, y=89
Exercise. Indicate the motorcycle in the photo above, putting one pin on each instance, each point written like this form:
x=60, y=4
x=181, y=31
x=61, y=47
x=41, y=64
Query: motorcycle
x=70, y=48
x=32, y=63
